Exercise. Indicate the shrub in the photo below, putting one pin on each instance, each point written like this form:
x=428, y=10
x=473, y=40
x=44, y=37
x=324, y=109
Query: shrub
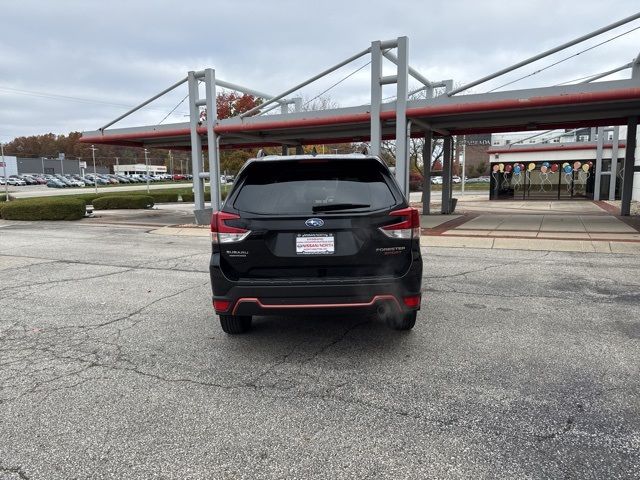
x=44, y=209
x=187, y=196
x=3, y=197
x=163, y=197
x=112, y=202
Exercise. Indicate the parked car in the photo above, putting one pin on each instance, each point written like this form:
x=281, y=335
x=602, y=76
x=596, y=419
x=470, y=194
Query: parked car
x=55, y=183
x=179, y=177
x=16, y=182
x=456, y=179
x=436, y=180
x=27, y=179
x=315, y=234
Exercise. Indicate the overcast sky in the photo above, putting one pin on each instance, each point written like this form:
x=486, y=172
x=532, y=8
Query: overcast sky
x=79, y=64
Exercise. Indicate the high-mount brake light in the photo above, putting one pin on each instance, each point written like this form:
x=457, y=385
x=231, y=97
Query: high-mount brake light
x=223, y=233
x=406, y=229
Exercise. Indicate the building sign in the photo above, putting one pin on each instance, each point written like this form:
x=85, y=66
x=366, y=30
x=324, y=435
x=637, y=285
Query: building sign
x=484, y=139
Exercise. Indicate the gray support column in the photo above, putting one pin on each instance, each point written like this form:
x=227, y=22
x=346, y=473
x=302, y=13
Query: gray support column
x=376, y=97
x=402, y=162
x=299, y=150
x=284, y=109
x=614, y=163
x=196, y=148
x=426, y=168
x=598, y=169
x=447, y=177
x=629, y=164
x=212, y=140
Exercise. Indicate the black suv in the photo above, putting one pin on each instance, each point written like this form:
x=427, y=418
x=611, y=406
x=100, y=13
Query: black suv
x=320, y=234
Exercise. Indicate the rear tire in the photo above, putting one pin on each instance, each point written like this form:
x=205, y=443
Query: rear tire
x=403, y=321
x=235, y=324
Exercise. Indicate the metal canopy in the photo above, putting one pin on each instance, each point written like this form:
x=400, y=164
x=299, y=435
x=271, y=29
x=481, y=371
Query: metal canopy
x=568, y=106
x=571, y=106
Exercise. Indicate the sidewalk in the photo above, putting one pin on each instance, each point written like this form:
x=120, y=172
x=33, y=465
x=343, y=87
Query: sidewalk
x=580, y=226
x=547, y=226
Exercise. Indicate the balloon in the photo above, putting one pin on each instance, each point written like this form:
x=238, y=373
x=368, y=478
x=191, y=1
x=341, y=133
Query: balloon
x=564, y=165
x=567, y=168
x=576, y=166
x=501, y=165
x=543, y=168
x=517, y=169
x=532, y=166
x=496, y=168
x=591, y=164
x=508, y=168
x=585, y=167
x=554, y=167
x=545, y=164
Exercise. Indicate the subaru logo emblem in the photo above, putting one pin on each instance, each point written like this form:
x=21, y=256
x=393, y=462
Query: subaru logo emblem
x=314, y=222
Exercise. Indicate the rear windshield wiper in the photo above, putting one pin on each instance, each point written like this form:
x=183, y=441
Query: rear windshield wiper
x=339, y=206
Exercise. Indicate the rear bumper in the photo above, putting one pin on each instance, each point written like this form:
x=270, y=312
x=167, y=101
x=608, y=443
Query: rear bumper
x=316, y=296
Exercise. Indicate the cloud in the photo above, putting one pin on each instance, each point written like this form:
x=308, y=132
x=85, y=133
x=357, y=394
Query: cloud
x=122, y=52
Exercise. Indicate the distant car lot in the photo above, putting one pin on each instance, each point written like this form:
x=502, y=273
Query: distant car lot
x=89, y=179
x=521, y=365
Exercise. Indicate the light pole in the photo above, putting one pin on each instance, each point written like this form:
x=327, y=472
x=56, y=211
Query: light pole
x=4, y=166
x=95, y=175
x=146, y=161
x=464, y=160
x=171, y=163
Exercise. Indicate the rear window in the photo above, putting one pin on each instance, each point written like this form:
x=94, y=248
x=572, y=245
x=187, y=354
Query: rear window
x=296, y=187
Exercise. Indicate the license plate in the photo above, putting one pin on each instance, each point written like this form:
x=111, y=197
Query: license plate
x=315, y=244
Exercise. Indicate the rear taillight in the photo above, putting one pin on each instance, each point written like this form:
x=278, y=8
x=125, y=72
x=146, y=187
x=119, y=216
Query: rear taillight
x=408, y=228
x=221, y=305
x=223, y=233
x=412, y=301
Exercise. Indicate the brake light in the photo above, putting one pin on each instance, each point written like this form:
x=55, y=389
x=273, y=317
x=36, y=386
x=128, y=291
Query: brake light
x=412, y=301
x=221, y=305
x=406, y=229
x=223, y=233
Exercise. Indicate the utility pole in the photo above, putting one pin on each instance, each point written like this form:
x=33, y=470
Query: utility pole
x=117, y=172
x=171, y=164
x=146, y=161
x=464, y=160
x=95, y=175
x=4, y=166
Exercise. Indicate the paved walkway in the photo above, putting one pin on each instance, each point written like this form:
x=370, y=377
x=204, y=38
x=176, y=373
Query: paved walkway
x=545, y=226
x=579, y=226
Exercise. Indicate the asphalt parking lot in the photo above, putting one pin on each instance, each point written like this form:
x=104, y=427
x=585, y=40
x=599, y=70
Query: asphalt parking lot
x=523, y=364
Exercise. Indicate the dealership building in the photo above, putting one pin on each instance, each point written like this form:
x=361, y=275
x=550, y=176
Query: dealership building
x=561, y=165
x=139, y=169
x=51, y=166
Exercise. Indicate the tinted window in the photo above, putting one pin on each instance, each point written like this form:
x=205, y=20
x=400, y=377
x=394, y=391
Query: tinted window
x=296, y=187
